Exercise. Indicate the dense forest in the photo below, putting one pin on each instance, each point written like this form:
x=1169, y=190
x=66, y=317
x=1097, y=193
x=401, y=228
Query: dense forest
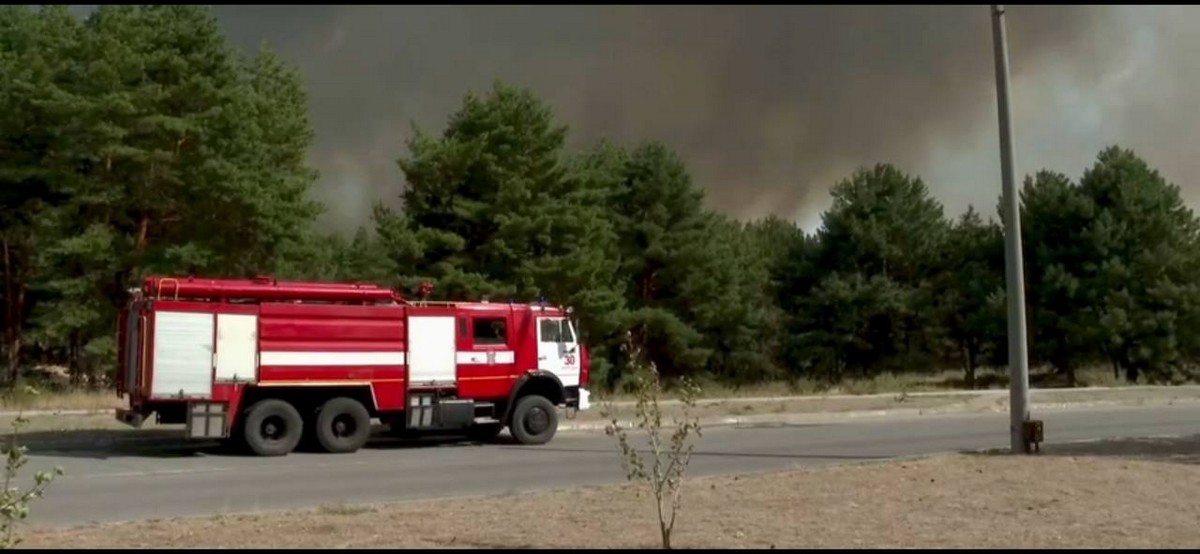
x=138, y=140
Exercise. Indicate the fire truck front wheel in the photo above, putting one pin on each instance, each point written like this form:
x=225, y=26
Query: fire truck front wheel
x=343, y=425
x=272, y=427
x=534, y=420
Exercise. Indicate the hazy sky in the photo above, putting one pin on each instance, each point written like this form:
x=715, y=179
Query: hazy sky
x=768, y=105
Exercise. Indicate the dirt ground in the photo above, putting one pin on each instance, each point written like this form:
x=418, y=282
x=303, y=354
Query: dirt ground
x=1119, y=494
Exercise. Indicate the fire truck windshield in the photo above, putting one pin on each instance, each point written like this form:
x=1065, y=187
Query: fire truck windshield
x=561, y=331
x=568, y=334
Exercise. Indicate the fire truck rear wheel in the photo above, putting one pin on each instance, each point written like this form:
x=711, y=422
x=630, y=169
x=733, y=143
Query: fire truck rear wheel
x=272, y=427
x=534, y=420
x=343, y=425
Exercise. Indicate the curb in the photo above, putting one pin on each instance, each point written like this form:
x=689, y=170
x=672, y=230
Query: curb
x=836, y=417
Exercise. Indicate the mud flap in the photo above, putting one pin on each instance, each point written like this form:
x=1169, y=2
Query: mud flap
x=130, y=417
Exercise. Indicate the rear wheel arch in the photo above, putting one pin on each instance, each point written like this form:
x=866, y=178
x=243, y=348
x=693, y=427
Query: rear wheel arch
x=308, y=399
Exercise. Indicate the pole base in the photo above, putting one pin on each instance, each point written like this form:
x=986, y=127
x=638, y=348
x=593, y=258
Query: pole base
x=1033, y=433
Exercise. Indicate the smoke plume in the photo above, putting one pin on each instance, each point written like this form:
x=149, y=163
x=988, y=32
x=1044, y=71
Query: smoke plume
x=768, y=105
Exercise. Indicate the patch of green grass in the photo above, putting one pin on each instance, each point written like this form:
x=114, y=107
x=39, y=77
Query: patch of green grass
x=345, y=510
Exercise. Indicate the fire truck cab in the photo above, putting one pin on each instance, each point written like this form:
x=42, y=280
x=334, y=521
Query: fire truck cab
x=272, y=366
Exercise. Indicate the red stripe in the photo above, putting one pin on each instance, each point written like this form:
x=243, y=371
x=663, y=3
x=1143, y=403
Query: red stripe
x=304, y=373
x=331, y=346
x=322, y=311
x=338, y=328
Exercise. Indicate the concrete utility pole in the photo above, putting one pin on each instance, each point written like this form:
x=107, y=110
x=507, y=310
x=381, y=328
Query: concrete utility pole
x=1014, y=271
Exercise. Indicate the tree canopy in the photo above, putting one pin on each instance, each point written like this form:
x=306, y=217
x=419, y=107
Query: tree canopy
x=137, y=140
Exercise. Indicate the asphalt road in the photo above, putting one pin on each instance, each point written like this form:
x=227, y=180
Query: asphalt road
x=139, y=483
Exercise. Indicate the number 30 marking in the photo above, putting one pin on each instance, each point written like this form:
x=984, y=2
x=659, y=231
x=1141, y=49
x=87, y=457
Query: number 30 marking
x=570, y=359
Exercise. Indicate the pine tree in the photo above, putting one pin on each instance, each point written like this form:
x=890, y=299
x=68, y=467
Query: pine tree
x=38, y=49
x=1144, y=245
x=971, y=282
x=1054, y=218
x=179, y=158
x=879, y=242
x=494, y=208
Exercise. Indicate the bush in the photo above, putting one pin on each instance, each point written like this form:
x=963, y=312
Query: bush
x=670, y=456
x=14, y=502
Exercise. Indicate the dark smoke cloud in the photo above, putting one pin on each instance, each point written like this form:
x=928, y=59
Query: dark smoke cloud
x=768, y=105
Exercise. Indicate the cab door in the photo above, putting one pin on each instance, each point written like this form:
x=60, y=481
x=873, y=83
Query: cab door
x=485, y=356
x=558, y=349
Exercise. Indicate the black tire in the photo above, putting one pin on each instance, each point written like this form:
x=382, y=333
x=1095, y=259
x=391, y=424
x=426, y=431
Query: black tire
x=272, y=427
x=534, y=420
x=343, y=425
x=484, y=432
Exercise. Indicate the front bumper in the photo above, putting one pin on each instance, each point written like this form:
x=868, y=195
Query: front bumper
x=578, y=399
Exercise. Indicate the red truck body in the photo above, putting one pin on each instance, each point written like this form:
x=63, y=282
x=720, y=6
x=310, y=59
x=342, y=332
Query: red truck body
x=274, y=365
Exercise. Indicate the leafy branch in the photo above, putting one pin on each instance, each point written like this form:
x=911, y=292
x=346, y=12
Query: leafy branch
x=14, y=502
x=669, y=457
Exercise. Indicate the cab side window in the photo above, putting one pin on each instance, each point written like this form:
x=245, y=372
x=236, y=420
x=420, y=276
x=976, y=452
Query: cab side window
x=551, y=331
x=490, y=331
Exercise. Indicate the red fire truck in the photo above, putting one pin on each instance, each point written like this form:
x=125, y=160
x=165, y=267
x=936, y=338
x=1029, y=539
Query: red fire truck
x=271, y=365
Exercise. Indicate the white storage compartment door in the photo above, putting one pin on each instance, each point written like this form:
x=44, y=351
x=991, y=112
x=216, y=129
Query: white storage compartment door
x=237, y=347
x=183, y=355
x=431, y=350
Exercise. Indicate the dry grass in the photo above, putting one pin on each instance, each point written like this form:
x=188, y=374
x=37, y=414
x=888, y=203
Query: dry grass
x=814, y=405
x=937, y=381
x=65, y=400
x=956, y=501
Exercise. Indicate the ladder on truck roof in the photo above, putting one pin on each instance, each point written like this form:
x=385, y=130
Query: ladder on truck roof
x=263, y=288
